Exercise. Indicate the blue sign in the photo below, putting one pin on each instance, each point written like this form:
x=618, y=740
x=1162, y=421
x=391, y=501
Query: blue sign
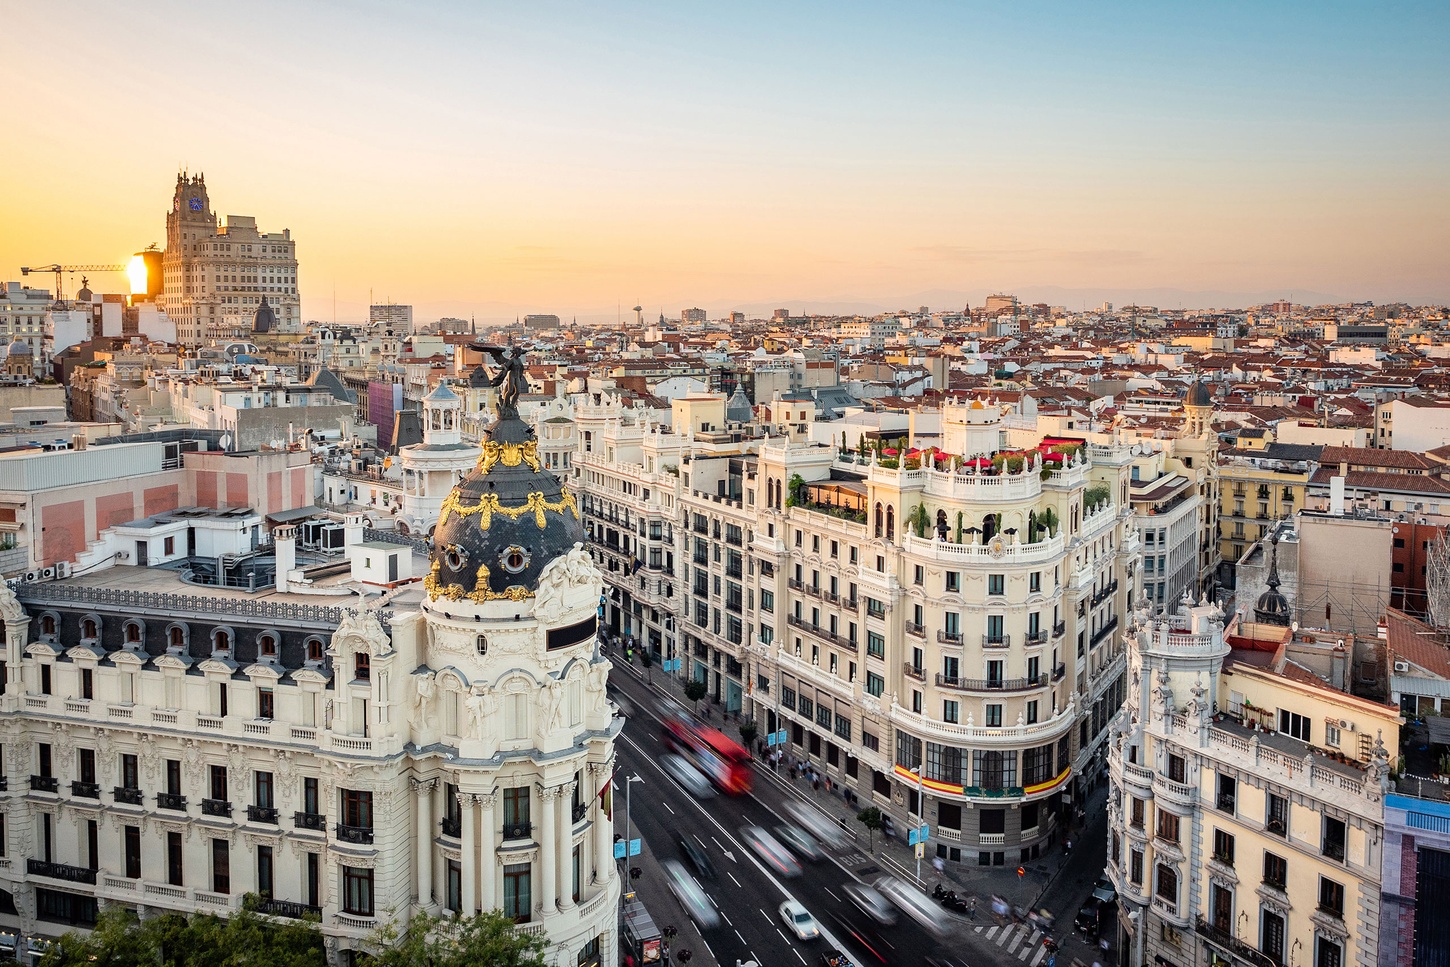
x=918, y=835
x=670, y=664
x=780, y=737
x=634, y=846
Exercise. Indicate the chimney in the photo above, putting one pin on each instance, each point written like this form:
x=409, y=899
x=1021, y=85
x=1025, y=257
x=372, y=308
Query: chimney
x=1336, y=496
x=78, y=441
x=285, y=537
x=352, y=530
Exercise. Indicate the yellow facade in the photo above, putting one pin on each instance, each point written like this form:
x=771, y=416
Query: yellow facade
x=1251, y=499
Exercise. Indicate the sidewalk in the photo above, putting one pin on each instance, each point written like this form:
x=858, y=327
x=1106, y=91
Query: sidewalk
x=893, y=855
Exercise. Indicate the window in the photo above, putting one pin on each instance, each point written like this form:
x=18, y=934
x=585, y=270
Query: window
x=173, y=859
x=1294, y=724
x=265, y=706
x=806, y=707
x=869, y=741
x=1223, y=847
x=918, y=575
x=262, y=789
x=1327, y=952
x=130, y=772
x=45, y=679
x=954, y=581
x=1135, y=866
x=88, y=685
x=357, y=891
x=1032, y=712
x=218, y=781
x=516, y=902
x=1227, y=793
x=875, y=684
x=1168, y=884
x=173, y=777
x=357, y=808
x=1332, y=843
x=131, y=847
x=1034, y=581
x=1271, y=934
x=362, y=666
x=1136, y=811
x=310, y=804
x=264, y=871
x=996, y=584
x=86, y=761
x=842, y=727
x=1276, y=871
x=949, y=712
x=1167, y=826
x=1175, y=768
x=314, y=649
x=267, y=646
x=1331, y=734
x=1331, y=897
x=875, y=608
x=1277, y=820
x=767, y=600
x=221, y=867
x=516, y=806
x=875, y=645
x=993, y=716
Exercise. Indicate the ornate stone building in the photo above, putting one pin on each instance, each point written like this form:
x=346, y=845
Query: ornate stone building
x=446, y=748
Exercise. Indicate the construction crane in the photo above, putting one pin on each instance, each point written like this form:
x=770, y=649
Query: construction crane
x=58, y=269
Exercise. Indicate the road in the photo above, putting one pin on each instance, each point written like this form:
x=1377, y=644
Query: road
x=748, y=895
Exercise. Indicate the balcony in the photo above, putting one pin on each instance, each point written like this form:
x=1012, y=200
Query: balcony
x=1222, y=936
x=913, y=671
x=1106, y=592
x=357, y=835
x=814, y=590
x=44, y=784
x=912, y=628
x=796, y=585
x=1105, y=631
x=579, y=811
x=216, y=807
x=85, y=790
x=131, y=797
x=290, y=909
x=1178, y=793
x=1059, y=629
x=996, y=641
x=171, y=800
x=990, y=684
x=453, y=826
x=313, y=821
x=850, y=604
x=1035, y=638
x=60, y=871
x=262, y=814
x=831, y=597
x=1059, y=672
x=949, y=637
x=518, y=830
x=820, y=632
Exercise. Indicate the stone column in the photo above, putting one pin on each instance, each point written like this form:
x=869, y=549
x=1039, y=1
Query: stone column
x=548, y=843
x=488, y=848
x=602, y=829
x=566, y=846
x=423, y=789
x=468, y=856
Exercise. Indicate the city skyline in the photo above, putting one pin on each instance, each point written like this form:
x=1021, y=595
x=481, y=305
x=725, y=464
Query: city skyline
x=497, y=161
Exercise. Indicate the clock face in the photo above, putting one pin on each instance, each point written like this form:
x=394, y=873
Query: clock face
x=176, y=205
x=196, y=204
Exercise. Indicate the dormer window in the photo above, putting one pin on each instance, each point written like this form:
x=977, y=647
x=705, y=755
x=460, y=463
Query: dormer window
x=176, y=637
x=133, y=633
x=221, y=641
x=314, y=649
x=89, y=629
x=362, y=667
x=47, y=626
x=267, y=646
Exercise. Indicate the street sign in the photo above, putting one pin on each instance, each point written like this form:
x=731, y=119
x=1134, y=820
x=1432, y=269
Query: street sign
x=780, y=737
x=919, y=835
x=920, y=850
x=634, y=847
x=770, y=739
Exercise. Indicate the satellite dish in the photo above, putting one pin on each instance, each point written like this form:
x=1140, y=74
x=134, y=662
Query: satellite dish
x=225, y=441
x=1294, y=626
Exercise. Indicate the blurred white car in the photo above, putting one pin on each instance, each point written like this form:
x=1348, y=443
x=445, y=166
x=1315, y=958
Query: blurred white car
x=818, y=824
x=912, y=902
x=801, y=841
x=688, y=891
x=692, y=779
x=768, y=848
x=871, y=903
x=799, y=919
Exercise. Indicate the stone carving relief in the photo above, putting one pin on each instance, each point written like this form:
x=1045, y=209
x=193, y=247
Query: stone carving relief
x=360, y=631
x=10, y=607
x=422, y=698
x=561, y=576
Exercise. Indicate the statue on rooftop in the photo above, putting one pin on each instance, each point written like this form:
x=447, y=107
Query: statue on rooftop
x=509, y=379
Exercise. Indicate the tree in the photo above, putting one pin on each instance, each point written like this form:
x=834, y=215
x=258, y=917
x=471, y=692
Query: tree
x=748, y=732
x=1095, y=495
x=695, y=690
x=796, y=485
x=245, y=939
x=870, y=817
x=487, y=939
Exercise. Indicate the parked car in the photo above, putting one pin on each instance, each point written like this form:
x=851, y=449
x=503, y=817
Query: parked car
x=691, y=896
x=697, y=857
x=871, y=903
x=802, y=842
x=799, y=919
x=769, y=849
x=1094, y=915
x=1105, y=891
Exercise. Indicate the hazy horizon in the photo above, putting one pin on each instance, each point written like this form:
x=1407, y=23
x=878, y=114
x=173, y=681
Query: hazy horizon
x=572, y=158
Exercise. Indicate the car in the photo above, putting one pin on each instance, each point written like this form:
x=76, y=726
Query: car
x=624, y=708
x=871, y=903
x=692, y=779
x=1094, y=914
x=834, y=958
x=769, y=849
x=802, y=842
x=800, y=921
x=691, y=896
x=912, y=902
x=696, y=856
x=818, y=824
x=863, y=934
x=1104, y=891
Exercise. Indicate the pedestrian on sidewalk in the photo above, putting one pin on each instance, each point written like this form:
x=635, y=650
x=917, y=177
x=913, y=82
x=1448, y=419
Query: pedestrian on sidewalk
x=972, y=907
x=1067, y=847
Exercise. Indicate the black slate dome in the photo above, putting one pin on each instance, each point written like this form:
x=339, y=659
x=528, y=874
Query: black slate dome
x=265, y=319
x=1198, y=394
x=506, y=520
x=1272, y=607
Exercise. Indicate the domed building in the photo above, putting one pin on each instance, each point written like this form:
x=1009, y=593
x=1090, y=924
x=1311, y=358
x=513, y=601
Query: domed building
x=432, y=466
x=20, y=359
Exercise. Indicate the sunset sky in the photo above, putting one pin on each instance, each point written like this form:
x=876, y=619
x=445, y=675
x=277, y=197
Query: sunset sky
x=547, y=157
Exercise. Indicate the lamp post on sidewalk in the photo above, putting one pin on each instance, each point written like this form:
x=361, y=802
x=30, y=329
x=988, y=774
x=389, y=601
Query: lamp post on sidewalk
x=920, y=814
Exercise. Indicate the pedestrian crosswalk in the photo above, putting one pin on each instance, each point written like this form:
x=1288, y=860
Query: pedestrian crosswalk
x=1016, y=938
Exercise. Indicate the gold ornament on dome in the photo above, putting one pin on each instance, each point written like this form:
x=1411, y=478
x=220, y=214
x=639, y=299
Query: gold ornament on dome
x=509, y=454
x=480, y=593
x=489, y=504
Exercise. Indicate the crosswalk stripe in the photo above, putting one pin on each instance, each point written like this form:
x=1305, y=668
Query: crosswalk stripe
x=1017, y=939
x=992, y=932
x=1041, y=952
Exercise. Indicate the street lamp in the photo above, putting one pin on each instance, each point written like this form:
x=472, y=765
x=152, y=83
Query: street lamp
x=916, y=824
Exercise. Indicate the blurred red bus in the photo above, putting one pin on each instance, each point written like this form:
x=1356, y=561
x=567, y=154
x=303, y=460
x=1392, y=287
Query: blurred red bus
x=723, y=761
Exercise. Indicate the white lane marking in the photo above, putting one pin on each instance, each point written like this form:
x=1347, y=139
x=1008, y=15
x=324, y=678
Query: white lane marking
x=722, y=913
x=768, y=917
x=742, y=939
x=732, y=877
x=667, y=806
x=800, y=955
x=830, y=894
x=1025, y=951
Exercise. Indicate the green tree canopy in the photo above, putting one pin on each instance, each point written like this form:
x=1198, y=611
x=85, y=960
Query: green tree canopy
x=488, y=939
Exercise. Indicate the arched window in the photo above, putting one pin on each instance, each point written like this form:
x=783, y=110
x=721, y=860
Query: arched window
x=221, y=641
x=891, y=523
x=267, y=645
x=879, y=524
x=314, y=649
x=133, y=632
x=176, y=637
x=989, y=527
x=47, y=625
x=88, y=628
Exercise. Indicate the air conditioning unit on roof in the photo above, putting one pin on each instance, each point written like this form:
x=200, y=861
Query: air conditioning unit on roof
x=1402, y=666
